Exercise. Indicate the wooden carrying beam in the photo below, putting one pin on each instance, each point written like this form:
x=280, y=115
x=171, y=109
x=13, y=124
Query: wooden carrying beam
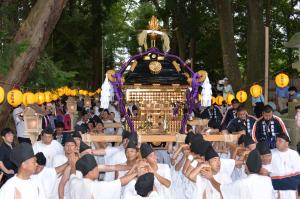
x=158, y=138
x=112, y=125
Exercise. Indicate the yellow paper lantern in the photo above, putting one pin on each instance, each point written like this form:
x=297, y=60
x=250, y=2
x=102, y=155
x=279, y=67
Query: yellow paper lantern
x=74, y=92
x=1, y=95
x=85, y=93
x=282, y=80
x=68, y=92
x=39, y=98
x=255, y=90
x=219, y=100
x=48, y=96
x=229, y=98
x=91, y=94
x=28, y=98
x=241, y=96
x=54, y=96
x=98, y=91
x=213, y=100
x=14, y=97
x=60, y=92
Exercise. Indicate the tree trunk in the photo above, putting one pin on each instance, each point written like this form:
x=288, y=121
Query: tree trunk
x=35, y=32
x=96, y=26
x=192, y=49
x=255, y=42
x=229, y=52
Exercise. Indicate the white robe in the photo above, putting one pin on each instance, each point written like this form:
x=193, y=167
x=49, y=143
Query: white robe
x=164, y=171
x=134, y=195
x=46, y=181
x=113, y=156
x=252, y=187
x=222, y=177
x=283, y=164
x=27, y=189
x=50, y=151
x=84, y=188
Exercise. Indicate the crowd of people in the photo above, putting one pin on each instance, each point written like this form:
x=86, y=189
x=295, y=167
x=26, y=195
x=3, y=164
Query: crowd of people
x=60, y=165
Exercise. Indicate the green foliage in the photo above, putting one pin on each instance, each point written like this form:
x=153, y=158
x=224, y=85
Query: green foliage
x=49, y=74
x=9, y=52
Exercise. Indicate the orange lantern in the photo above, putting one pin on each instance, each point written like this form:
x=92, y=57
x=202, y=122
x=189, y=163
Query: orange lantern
x=1, y=95
x=219, y=100
x=282, y=80
x=255, y=90
x=14, y=97
x=39, y=98
x=229, y=98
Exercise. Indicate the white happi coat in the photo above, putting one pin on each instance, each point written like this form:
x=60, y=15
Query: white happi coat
x=50, y=151
x=282, y=165
x=164, y=171
x=16, y=187
x=46, y=181
x=253, y=186
x=113, y=156
x=85, y=188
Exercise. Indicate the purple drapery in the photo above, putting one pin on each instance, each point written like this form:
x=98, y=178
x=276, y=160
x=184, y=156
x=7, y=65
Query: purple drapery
x=190, y=96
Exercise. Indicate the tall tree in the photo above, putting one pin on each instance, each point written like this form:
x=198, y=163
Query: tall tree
x=229, y=52
x=34, y=32
x=255, y=42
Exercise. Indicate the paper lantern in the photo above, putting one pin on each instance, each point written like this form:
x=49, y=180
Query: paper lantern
x=74, y=92
x=91, y=94
x=98, y=91
x=68, y=92
x=256, y=90
x=54, y=96
x=219, y=100
x=28, y=98
x=60, y=92
x=48, y=96
x=213, y=100
x=229, y=98
x=1, y=95
x=282, y=80
x=241, y=96
x=14, y=97
x=85, y=93
x=39, y=98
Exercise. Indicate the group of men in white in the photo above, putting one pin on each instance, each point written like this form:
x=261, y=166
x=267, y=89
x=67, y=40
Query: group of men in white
x=73, y=169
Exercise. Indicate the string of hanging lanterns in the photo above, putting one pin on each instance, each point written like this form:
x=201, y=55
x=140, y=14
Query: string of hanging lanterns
x=281, y=80
x=15, y=97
